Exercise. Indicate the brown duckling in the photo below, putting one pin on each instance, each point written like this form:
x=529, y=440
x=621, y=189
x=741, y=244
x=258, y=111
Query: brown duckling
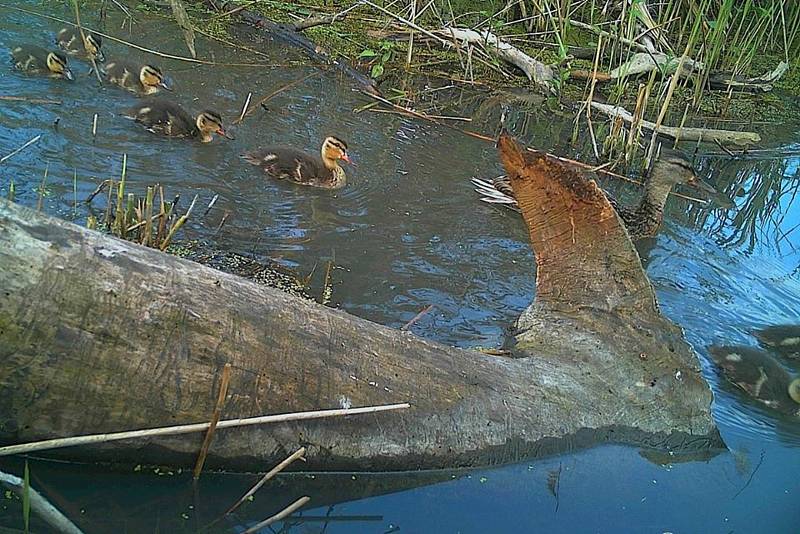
x=783, y=339
x=136, y=78
x=297, y=166
x=37, y=60
x=69, y=40
x=671, y=168
x=168, y=118
x=760, y=376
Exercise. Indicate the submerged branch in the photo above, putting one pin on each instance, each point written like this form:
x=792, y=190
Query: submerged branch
x=728, y=137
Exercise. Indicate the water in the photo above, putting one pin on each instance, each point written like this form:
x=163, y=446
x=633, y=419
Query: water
x=408, y=232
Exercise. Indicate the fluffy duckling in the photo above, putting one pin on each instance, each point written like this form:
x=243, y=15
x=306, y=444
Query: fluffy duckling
x=783, y=339
x=670, y=169
x=37, y=60
x=69, y=40
x=301, y=168
x=168, y=118
x=136, y=78
x=760, y=376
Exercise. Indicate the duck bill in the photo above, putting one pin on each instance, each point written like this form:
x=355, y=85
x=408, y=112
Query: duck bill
x=67, y=74
x=166, y=84
x=346, y=158
x=226, y=135
x=99, y=56
x=715, y=196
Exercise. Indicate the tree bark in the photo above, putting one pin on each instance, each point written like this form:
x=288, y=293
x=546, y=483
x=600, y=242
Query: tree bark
x=101, y=335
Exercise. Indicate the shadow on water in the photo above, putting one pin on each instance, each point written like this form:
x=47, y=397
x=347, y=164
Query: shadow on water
x=408, y=232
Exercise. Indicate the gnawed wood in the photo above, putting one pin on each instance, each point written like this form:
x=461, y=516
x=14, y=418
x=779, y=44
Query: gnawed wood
x=576, y=234
x=725, y=137
x=140, y=335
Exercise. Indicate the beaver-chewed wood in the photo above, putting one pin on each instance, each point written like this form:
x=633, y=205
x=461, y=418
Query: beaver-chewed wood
x=101, y=335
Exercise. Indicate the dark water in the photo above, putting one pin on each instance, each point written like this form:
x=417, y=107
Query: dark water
x=408, y=232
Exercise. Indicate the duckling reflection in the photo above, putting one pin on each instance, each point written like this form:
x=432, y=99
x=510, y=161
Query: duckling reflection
x=37, y=60
x=136, y=78
x=168, y=118
x=783, y=339
x=758, y=374
x=69, y=40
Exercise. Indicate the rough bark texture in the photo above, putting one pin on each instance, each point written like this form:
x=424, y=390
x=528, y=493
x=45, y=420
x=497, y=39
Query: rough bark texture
x=101, y=335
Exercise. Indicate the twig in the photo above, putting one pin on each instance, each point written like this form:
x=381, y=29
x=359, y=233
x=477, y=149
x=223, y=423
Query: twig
x=274, y=94
x=280, y=515
x=244, y=108
x=752, y=474
x=274, y=471
x=97, y=191
x=212, y=426
x=83, y=42
x=41, y=506
x=211, y=204
x=417, y=317
x=20, y=149
x=30, y=100
x=57, y=443
x=222, y=222
x=175, y=227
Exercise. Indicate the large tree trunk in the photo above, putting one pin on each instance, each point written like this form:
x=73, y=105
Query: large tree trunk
x=101, y=335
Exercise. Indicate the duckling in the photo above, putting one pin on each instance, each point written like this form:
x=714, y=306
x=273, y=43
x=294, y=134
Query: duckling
x=69, y=40
x=34, y=59
x=168, y=118
x=136, y=78
x=760, y=376
x=292, y=164
x=670, y=169
x=783, y=339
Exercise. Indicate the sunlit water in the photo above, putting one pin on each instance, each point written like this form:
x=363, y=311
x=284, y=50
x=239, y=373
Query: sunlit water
x=408, y=232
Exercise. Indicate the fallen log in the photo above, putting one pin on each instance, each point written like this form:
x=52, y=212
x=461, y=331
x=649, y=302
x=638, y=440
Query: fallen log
x=99, y=335
x=725, y=137
x=536, y=71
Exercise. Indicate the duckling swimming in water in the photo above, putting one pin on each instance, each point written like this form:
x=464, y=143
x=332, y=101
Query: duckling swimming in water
x=168, y=118
x=760, y=376
x=301, y=168
x=37, y=60
x=671, y=168
x=69, y=40
x=783, y=339
x=136, y=78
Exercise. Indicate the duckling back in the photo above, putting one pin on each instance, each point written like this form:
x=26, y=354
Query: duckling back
x=38, y=60
x=164, y=117
x=134, y=77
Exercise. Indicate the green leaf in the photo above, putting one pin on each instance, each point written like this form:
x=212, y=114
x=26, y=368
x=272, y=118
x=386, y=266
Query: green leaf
x=368, y=53
x=377, y=70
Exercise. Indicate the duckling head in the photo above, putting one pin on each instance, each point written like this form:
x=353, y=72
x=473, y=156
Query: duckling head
x=57, y=64
x=210, y=122
x=152, y=78
x=333, y=150
x=794, y=390
x=92, y=44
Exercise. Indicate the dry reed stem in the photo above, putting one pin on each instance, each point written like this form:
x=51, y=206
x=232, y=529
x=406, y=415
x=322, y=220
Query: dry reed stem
x=298, y=454
x=58, y=443
x=280, y=515
x=212, y=426
x=20, y=149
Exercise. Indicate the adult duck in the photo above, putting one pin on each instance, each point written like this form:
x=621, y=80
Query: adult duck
x=670, y=169
x=287, y=163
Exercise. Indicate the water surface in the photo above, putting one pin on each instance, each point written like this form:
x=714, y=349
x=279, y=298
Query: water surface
x=408, y=232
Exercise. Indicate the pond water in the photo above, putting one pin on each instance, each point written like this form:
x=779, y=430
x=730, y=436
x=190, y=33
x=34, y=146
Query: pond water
x=408, y=232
